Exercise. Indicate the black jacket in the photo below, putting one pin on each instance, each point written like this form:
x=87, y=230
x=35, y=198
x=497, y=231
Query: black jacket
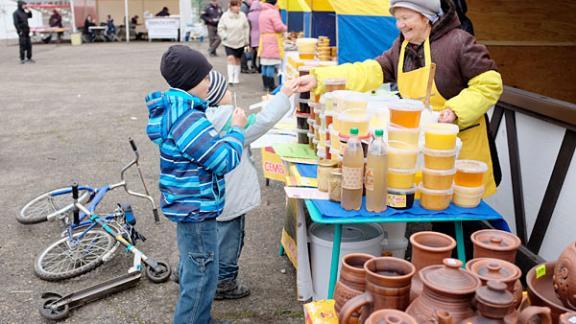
x=211, y=15
x=21, y=19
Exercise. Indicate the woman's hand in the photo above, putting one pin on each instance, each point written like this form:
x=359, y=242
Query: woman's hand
x=306, y=83
x=290, y=87
x=447, y=116
x=239, y=118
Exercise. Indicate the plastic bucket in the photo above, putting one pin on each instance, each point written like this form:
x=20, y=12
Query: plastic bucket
x=76, y=39
x=356, y=238
x=395, y=248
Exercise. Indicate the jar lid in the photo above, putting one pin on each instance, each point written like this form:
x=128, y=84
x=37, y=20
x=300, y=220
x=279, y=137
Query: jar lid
x=496, y=240
x=441, y=153
x=398, y=128
x=495, y=293
x=435, y=192
x=494, y=269
x=399, y=147
x=442, y=128
x=469, y=190
x=439, y=172
x=449, y=278
x=471, y=166
x=394, y=191
x=407, y=105
x=327, y=163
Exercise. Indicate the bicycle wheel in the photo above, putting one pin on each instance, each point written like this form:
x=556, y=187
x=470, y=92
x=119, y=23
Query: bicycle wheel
x=57, y=201
x=59, y=262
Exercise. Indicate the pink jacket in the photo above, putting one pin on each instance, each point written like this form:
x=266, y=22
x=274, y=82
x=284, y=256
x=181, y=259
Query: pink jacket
x=253, y=17
x=270, y=25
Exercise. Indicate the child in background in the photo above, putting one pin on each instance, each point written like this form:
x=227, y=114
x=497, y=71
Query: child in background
x=193, y=161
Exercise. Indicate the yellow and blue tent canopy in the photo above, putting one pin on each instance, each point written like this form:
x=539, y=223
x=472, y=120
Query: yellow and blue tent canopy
x=365, y=28
x=323, y=19
x=296, y=14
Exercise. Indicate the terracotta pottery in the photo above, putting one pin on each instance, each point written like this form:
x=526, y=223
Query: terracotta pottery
x=493, y=303
x=568, y=318
x=541, y=290
x=352, y=281
x=447, y=288
x=495, y=244
x=428, y=248
x=534, y=314
x=388, y=283
x=565, y=276
x=494, y=269
x=443, y=317
x=390, y=316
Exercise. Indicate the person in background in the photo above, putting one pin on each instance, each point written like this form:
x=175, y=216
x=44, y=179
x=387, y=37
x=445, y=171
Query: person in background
x=110, y=28
x=193, y=161
x=20, y=17
x=163, y=13
x=245, y=8
x=55, y=21
x=271, y=46
x=211, y=17
x=234, y=31
x=89, y=35
x=253, y=16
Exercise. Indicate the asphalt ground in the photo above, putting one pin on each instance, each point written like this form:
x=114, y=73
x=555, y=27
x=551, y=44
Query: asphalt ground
x=68, y=118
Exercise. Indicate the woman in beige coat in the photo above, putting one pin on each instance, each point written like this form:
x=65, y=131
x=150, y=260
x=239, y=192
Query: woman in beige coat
x=234, y=31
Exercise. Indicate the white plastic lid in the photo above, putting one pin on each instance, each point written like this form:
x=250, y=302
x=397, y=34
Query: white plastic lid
x=398, y=128
x=354, y=115
x=442, y=128
x=471, y=166
x=469, y=190
x=399, y=147
x=434, y=192
x=402, y=171
x=439, y=172
x=441, y=153
x=395, y=191
x=407, y=105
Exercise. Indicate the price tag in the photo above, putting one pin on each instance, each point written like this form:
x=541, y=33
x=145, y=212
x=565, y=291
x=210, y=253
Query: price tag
x=540, y=271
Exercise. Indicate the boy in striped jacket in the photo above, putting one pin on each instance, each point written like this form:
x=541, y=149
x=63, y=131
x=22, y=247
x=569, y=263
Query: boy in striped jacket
x=193, y=161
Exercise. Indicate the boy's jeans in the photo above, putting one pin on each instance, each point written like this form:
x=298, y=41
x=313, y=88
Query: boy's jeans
x=197, y=244
x=230, y=243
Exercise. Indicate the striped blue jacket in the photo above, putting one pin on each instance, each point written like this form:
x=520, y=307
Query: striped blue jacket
x=193, y=157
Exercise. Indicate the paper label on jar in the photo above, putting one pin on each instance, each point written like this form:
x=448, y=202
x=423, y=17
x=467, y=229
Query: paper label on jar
x=369, y=181
x=352, y=178
x=397, y=201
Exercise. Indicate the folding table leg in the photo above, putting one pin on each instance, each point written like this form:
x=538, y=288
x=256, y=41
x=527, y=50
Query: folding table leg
x=335, y=259
x=459, y=230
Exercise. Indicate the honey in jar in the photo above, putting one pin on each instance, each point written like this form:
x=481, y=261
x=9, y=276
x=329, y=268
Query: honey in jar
x=439, y=159
x=401, y=178
x=440, y=136
x=406, y=113
x=437, y=179
x=401, y=155
x=470, y=173
x=401, y=134
x=334, y=84
x=435, y=199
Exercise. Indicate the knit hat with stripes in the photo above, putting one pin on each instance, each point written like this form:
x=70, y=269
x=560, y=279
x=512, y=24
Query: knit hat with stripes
x=217, y=89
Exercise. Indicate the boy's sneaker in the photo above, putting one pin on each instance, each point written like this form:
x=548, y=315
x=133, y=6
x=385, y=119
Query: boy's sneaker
x=231, y=290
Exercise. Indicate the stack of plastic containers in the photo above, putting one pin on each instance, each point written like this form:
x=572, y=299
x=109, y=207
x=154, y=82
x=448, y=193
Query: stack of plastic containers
x=438, y=171
x=469, y=183
x=403, y=138
x=304, y=127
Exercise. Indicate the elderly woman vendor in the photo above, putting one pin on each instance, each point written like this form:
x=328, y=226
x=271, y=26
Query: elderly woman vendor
x=466, y=83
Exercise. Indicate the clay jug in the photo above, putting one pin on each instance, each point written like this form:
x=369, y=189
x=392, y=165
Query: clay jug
x=352, y=281
x=447, y=288
x=565, y=276
x=428, y=248
x=495, y=244
x=390, y=316
x=534, y=314
x=487, y=269
x=388, y=283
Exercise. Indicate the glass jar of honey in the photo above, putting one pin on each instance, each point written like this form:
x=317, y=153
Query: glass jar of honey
x=470, y=173
x=406, y=113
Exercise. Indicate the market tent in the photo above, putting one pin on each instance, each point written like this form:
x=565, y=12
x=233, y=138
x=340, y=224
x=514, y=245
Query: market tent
x=323, y=20
x=365, y=28
x=296, y=14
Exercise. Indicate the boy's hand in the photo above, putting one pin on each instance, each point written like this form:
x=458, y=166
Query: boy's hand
x=239, y=118
x=290, y=87
x=306, y=83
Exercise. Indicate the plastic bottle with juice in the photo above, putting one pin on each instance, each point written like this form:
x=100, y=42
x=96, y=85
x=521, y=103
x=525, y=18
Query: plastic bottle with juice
x=352, y=173
x=376, y=167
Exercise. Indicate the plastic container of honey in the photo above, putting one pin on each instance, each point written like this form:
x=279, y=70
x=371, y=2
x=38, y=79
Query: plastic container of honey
x=334, y=84
x=435, y=199
x=401, y=198
x=439, y=159
x=401, y=178
x=470, y=173
x=353, y=118
x=306, y=48
x=346, y=99
x=406, y=113
x=467, y=197
x=407, y=135
x=302, y=106
x=440, y=136
x=334, y=139
x=437, y=179
x=402, y=155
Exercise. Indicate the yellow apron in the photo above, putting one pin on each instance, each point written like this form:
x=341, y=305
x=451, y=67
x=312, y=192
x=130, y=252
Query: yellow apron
x=279, y=40
x=412, y=85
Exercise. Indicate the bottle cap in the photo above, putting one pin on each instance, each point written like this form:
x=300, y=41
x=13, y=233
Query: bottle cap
x=354, y=131
x=379, y=132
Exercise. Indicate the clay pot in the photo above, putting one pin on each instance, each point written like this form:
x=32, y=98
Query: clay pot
x=565, y=276
x=447, y=288
x=390, y=316
x=568, y=318
x=494, y=269
x=541, y=291
x=495, y=244
x=428, y=248
x=388, y=283
x=534, y=314
x=352, y=281
x=493, y=302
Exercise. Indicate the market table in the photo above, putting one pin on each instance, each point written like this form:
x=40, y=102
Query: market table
x=328, y=212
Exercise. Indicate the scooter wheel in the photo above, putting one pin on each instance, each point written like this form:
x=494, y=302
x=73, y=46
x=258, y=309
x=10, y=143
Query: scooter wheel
x=57, y=314
x=159, y=276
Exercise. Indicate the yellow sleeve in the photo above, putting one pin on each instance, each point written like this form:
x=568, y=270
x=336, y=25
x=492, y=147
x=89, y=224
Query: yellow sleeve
x=360, y=76
x=482, y=93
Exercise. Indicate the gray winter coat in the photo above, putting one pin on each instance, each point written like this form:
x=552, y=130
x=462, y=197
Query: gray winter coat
x=242, y=186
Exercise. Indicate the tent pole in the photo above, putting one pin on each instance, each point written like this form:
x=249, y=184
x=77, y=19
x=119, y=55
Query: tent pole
x=126, y=22
x=73, y=14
